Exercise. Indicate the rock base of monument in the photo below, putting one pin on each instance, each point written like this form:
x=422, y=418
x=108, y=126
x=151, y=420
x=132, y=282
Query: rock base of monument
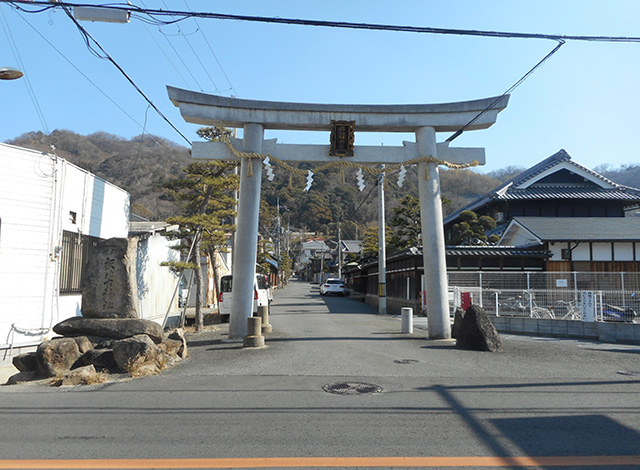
x=132, y=346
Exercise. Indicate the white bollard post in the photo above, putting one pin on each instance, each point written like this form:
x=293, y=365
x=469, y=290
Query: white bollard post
x=407, y=319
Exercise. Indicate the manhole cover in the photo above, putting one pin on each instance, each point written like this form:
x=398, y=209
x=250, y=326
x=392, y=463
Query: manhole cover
x=406, y=361
x=352, y=388
x=628, y=372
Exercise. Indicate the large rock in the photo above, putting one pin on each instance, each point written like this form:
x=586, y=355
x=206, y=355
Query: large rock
x=100, y=359
x=132, y=352
x=109, y=285
x=27, y=362
x=116, y=328
x=81, y=376
x=477, y=332
x=57, y=356
x=84, y=343
x=457, y=322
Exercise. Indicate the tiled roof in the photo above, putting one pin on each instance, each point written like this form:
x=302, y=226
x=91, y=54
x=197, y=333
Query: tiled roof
x=509, y=191
x=477, y=250
x=582, y=228
x=493, y=250
x=569, y=192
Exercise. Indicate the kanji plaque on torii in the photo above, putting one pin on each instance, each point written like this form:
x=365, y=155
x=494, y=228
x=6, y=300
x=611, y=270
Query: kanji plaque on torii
x=423, y=120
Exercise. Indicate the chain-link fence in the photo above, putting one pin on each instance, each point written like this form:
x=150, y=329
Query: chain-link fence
x=548, y=294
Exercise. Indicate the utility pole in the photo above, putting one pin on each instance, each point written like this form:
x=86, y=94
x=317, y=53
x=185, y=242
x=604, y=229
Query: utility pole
x=278, y=242
x=339, y=254
x=382, y=260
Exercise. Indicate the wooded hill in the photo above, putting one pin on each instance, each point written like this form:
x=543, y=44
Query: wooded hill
x=143, y=164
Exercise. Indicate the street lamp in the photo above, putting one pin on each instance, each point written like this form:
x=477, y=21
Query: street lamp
x=9, y=73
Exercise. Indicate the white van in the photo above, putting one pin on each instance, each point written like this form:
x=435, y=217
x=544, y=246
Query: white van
x=260, y=295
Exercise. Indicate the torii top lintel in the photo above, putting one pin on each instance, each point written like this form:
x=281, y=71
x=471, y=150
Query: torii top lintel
x=213, y=110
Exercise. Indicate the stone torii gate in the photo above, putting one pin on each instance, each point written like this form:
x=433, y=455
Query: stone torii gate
x=423, y=120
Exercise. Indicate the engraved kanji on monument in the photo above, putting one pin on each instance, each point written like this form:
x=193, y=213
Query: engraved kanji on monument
x=109, y=285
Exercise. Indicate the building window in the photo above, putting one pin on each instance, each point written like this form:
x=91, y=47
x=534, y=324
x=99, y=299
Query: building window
x=76, y=251
x=72, y=217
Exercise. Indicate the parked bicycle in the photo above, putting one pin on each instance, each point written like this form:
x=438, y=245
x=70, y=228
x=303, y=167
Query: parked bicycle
x=526, y=303
x=572, y=312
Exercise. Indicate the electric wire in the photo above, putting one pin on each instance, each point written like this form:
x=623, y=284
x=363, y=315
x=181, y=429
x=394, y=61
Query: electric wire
x=165, y=53
x=16, y=53
x=197, y=56
x=183, y=15
x=204, y=36
x=80, y=71
x=129, y=79
x=178, y=55
x=155, y=138
x=513, y=87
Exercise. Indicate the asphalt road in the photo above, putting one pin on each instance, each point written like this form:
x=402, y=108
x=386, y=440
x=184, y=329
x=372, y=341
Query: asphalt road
x=539, y=404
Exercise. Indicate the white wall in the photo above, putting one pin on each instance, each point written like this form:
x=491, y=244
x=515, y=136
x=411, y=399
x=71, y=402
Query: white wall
x=623, y=251
x=156, y=284
x=27, y=229
x=37, y=193
x=597, y=251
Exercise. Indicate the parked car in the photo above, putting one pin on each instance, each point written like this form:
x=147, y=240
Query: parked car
x=332, y=286
x=260, y=295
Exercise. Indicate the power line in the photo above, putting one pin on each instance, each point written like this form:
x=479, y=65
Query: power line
x=183, y=15
x=121, y=70
x=186, y=38
x=513, y=87
x=32, y=94
x=204, y=36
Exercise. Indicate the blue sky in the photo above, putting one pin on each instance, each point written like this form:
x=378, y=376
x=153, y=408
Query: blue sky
x=584, y=99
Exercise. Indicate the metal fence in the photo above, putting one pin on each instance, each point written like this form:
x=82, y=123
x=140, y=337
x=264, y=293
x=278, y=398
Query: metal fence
x=549, y=294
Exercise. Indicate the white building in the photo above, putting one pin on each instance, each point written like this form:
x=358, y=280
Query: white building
x=52, y=213
x=157, y=286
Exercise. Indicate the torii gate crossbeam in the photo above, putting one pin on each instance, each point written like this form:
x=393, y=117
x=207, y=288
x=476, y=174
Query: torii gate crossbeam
x=256, y=116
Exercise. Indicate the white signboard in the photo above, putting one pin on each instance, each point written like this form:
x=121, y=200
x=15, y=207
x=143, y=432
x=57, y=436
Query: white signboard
x=588, y=306
x=562, y=283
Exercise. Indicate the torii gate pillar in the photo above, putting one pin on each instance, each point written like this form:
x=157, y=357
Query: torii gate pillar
x=244, y=265
x=434, y=259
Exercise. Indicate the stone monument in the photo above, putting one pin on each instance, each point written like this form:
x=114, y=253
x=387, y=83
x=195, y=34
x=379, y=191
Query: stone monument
x=109, y=286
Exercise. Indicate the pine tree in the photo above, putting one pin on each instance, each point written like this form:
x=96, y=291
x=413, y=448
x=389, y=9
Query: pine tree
x=206, y=193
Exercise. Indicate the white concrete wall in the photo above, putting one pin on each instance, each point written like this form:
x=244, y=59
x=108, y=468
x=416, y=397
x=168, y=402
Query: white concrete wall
x=27, y=229
x=601, y=251
x=581, y=253
x=37, y=193
x=597, y=251
x=623, y=251
x=156, y=284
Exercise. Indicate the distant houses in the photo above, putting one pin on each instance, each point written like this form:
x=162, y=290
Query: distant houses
x=575, y=218
x=557, y=216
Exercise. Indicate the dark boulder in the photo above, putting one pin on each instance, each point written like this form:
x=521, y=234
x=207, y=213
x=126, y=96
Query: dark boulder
x=477, y=332
x=27, y=362
x=100, y=359
x=457, y=322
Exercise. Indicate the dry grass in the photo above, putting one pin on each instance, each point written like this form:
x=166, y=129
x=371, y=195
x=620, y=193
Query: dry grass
x=142, y=366
x=91, y=379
